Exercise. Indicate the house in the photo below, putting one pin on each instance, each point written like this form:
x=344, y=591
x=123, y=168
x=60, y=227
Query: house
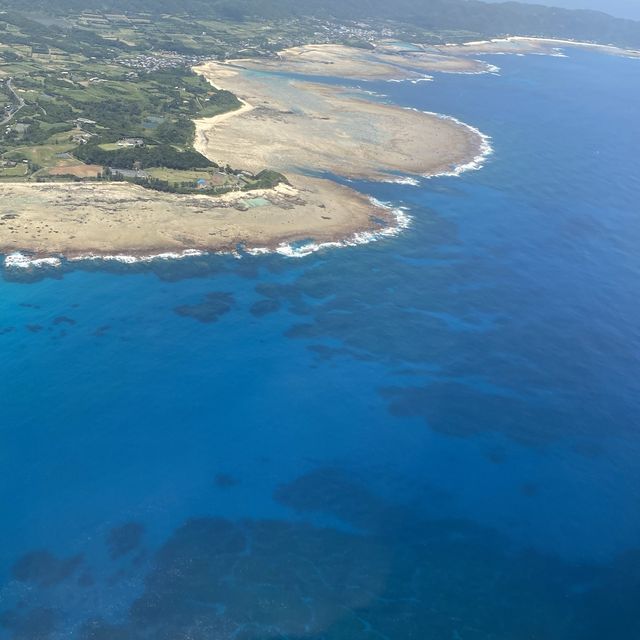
x=130, y=142
x=82, y=137
x=128, y=173
x=80, y=121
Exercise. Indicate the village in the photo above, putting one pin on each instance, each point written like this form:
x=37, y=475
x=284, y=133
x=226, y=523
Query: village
x=127, y=112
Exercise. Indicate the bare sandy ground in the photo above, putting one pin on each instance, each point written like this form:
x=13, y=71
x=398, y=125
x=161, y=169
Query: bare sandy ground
x=79, y=170
x=298, y=128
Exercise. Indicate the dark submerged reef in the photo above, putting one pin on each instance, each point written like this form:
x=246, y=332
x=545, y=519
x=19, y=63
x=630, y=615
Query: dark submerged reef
x=388, y=573
x=211, y=309
x=44, y=569
x=124, y=539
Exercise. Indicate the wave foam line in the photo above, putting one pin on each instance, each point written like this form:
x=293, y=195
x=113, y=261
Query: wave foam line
x=477, y=162
x=488, y=68
x=414, y=182
x=631, y=53
x=412, y=80
x=131, y=259
x=401, y=222
x=18, y=260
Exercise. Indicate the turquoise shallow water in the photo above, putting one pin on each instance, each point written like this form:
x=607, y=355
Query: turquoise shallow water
x=431, y=436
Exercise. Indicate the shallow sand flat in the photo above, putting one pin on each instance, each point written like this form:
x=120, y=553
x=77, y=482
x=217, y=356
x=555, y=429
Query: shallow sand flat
x=386, y=62
x=525, y=45
x=103, y=219
x=295, y=126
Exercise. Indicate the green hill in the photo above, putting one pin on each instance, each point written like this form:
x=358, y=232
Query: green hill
x=437, y=15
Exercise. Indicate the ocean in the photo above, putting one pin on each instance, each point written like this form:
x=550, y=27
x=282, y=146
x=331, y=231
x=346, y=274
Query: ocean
x=435, y=435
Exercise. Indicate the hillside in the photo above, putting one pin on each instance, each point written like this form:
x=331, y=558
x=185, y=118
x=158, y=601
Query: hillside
x=471, y=16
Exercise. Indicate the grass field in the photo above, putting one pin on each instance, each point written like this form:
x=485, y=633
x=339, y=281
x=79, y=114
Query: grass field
x=21, y=170
x=125, y=75
x=43, y=155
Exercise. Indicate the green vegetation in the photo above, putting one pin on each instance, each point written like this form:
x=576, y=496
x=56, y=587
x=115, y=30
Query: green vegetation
x=142, y=157
x=266, y=179
x=65, y=106
x=100, y=27
x=18, y=170
x=199, y=181
x=78, y=77
x=179, y=131
x=177, y=176
x=157, y=106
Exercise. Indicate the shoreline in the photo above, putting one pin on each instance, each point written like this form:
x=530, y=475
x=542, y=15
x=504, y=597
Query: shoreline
x=299, y=126
x=532, y=45
x=317, y=128
x=146, y=225
x=384, y=62
x=398, y=222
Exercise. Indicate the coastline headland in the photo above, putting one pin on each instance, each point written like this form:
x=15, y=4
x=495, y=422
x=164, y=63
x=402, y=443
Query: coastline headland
x=305, y=130
x=96, y=219
x=389, y=61
x=297, y=127
x=526, y=45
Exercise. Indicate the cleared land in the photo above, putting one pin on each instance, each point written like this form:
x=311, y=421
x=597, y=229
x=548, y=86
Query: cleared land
x=77, y=170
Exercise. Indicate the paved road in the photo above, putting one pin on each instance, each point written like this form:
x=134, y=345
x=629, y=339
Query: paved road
x=19, y=100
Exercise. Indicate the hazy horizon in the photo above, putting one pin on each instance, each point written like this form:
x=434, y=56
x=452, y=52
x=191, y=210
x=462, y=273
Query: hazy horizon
x=619, y=8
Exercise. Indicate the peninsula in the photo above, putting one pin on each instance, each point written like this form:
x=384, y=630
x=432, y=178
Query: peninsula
x=305, y=131
x=296, y=127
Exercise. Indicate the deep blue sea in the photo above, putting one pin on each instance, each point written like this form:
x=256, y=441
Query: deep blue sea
x=434, y=436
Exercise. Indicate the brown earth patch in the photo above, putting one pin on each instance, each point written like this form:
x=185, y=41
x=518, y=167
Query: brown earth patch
x=78, y=170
